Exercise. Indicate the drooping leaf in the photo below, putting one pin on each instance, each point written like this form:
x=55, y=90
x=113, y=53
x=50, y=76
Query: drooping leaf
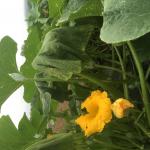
x=78, y=9
x=125, y=20
x=30, y=49
x=63, y=54
x=8, y=49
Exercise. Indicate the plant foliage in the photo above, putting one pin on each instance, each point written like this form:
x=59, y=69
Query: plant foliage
x=75, y=47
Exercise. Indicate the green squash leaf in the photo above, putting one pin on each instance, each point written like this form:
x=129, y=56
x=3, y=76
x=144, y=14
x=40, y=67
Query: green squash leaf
x=125, y=20
x=13, y=139
x=8, y=49
x=78, y=9
x=72, y=7
x=91, y=8
x=55, y=7
x=30, y=50
x=61, y=57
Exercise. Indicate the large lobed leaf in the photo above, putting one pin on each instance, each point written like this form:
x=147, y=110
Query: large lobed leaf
x=8, y=49
x=61, y=57
x=58, y=59
x=13, y=139
x=30, y=50
x=125, y=20
x=23, y=138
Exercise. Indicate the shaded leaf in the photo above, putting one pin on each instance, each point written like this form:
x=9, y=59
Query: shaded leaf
x=63, y=54
x=97, y=79
x=142, y=46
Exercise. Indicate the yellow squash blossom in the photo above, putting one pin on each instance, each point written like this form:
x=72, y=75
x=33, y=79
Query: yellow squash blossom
x=99, y=112
x=119, y=107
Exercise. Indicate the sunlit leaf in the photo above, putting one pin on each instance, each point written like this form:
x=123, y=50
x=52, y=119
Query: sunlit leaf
x=8, y=49
x=125, y=20
x=13, y=139
x=30, y=49
x=55, y=7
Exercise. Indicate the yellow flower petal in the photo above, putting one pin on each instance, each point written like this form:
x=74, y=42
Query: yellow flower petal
x=98, y=106
x=90, y=124
x=119, y=107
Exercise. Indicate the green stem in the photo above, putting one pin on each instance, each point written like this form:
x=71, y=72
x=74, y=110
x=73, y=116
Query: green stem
x=130, y=141
x=108, y=145
x=49, y=143
x=142, y=80
x=147, y=73
x=113, y=57
x=125, y=86
x=113, y=62
x=114, y=69
x=142, y=128
x=108, y=67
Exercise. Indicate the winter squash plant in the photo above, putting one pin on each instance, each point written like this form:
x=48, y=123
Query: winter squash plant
x=92, y=54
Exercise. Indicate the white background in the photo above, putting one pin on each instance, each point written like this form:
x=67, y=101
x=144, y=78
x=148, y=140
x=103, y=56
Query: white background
x=12, y=23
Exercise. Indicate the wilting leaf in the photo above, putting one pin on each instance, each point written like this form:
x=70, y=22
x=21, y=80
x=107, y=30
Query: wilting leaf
x=61, y=57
